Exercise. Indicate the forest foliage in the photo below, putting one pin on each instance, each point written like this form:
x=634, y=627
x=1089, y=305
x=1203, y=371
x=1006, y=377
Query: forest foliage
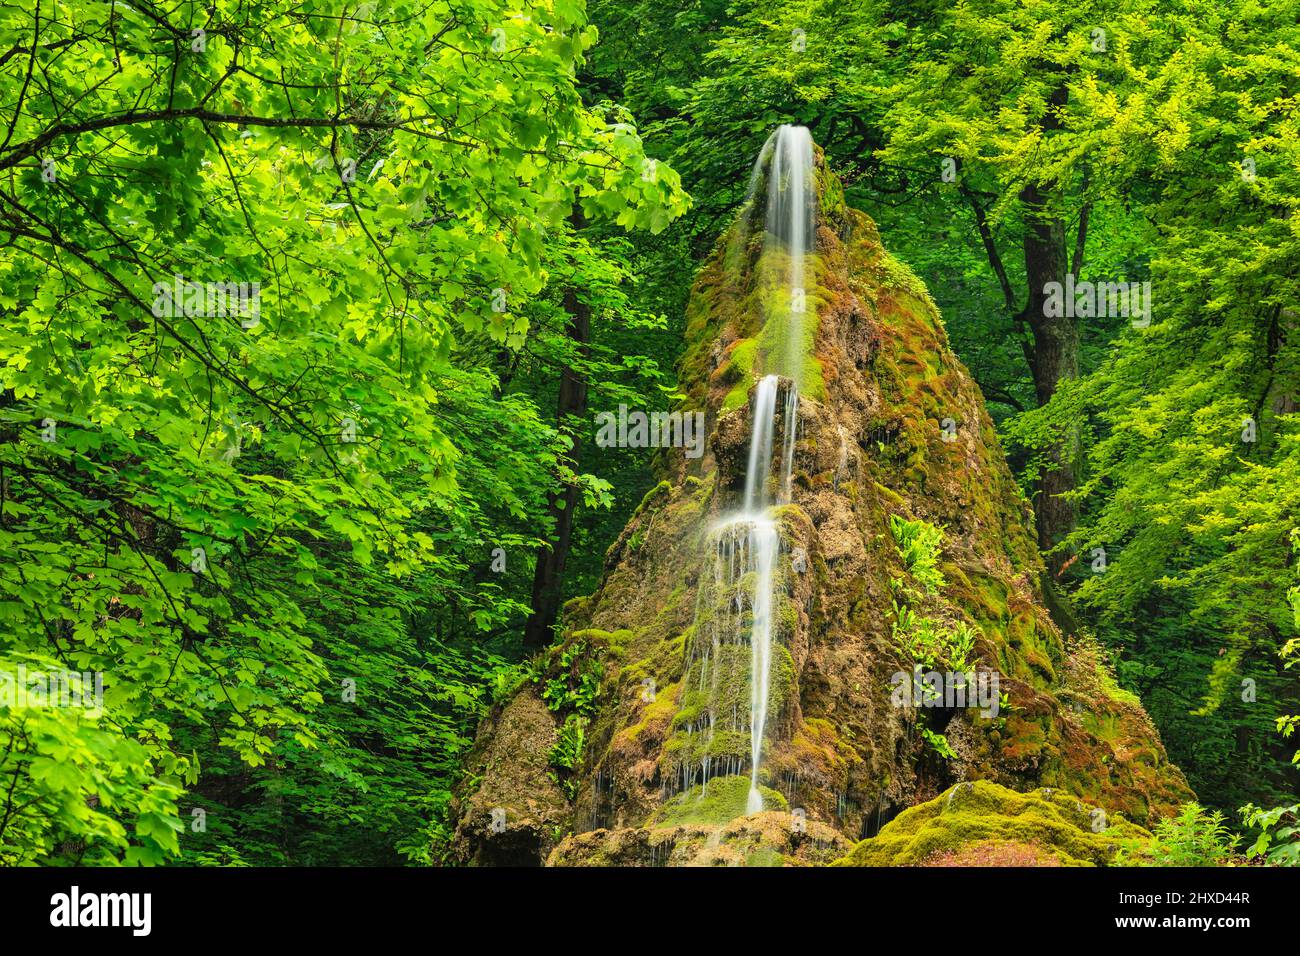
x=284, y=298
x=270, y=523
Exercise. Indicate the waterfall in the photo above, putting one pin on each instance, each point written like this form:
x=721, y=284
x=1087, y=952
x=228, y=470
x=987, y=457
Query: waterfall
x=742, y=594
x=791, y=209
x=787, y=438
x=762, y=543
x=737, y=606
x=760, y=444
x=748, y=545
x=789, y=217
x=766, y=542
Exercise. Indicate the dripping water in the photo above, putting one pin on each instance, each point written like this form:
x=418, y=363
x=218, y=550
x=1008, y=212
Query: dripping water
x=787, y=442
x=760, y=444
x=747, y=543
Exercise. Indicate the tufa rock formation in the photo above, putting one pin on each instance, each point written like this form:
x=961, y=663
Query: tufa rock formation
x=905, y=549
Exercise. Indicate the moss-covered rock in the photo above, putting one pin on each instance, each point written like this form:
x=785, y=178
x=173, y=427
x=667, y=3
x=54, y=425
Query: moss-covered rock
x=719, y=801
x=509, y=810
x=1058, y=828
x=889, y=424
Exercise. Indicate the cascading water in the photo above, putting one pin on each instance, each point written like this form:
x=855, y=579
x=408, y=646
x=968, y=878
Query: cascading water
x=764, y=545
x=738, y=605
x=760, y=444
x=787, y=450
x=791, y=210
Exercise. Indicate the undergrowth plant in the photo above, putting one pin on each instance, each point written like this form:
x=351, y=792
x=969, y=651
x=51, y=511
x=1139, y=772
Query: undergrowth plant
x=1278, y=842
x=1196, y=837
x=919, y=544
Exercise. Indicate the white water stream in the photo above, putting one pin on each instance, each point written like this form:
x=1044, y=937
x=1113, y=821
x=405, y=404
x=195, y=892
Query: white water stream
x=789, y=225
x=738, y=605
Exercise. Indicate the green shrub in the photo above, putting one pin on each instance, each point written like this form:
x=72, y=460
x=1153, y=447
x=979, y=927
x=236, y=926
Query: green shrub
x=1196, y=837
x=566, y=755
x=928, y=643
x=504, y=682
x=939, y=743
x=1279, y=834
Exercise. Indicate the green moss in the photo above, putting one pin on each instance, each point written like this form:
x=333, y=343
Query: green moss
x=1105, y=727
x=1113, y=690
x=830, y=195
x=972, y=813
x=576, y=608
x=766, y=349
x=764, y=856
x=816, y=752
x=740, y=371
x=893, y=498
x=990, y=595
x=787, y=615
x=704, y=488
x=663, y=664
x=611, y=642
x=720, y=801
x=656, y=496
x=657, y=712
x=691, y=740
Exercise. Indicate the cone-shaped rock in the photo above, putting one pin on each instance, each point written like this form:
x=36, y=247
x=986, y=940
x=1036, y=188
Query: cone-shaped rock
x=901, y=557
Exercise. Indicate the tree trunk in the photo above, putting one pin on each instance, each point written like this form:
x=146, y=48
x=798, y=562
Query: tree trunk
x=548, y=577
x=1055, y=357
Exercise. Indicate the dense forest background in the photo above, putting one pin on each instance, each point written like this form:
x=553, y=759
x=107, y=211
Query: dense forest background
x=307, y=548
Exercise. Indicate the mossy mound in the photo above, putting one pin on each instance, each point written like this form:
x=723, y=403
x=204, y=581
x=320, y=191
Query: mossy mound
x=1059, y=828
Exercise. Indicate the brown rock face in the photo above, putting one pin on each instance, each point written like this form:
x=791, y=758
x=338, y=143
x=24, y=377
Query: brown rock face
x=761, y=839
x=893, y=441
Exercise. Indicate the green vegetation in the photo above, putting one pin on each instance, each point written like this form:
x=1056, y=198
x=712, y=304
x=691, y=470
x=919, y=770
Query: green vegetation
x=1279, y=834
x=308, y=310
x=577, y=681
x=1196, y=837
x=272, y=524
x=924, y=640
x=919, y=544
x=982, y=813
x=566, y=755
x=721, y=801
